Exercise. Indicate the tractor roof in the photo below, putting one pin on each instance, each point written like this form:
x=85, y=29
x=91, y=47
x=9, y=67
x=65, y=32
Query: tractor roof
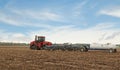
x=42, y=36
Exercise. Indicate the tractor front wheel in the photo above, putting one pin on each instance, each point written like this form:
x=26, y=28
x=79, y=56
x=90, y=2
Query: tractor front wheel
x=34, y=47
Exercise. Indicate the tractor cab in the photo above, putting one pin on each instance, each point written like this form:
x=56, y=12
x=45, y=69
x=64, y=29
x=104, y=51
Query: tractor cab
x=39, y=38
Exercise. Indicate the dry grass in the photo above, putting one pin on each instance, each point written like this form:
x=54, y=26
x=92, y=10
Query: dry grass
x=22, y=58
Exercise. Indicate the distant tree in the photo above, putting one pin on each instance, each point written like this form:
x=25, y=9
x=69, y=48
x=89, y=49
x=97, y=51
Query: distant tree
x=13, y=44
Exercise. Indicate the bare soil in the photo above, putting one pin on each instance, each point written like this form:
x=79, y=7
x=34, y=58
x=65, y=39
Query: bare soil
x=22, y=58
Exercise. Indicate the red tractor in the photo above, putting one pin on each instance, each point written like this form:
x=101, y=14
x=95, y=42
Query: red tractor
x=39, y=43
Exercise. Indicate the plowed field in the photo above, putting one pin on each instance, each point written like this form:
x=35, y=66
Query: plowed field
x=22, y=58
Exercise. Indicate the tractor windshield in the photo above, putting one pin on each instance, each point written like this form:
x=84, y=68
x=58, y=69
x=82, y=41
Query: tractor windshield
x=41, y=39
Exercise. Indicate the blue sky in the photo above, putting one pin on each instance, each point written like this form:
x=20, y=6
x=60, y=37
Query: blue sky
x=83, y=21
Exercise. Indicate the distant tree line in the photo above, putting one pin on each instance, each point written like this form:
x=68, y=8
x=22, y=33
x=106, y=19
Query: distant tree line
x=13, y=44
x=118, y=45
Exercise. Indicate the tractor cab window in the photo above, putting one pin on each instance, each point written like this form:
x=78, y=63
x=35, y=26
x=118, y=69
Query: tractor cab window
x=41, y=39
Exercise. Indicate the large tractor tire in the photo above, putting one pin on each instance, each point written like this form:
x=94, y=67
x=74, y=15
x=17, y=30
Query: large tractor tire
x=34, y=47
x=83, y=49
x=112, y=50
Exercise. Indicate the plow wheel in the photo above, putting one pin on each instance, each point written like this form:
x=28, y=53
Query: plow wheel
x=83, y=49
x=51, y=49
x=112, y=50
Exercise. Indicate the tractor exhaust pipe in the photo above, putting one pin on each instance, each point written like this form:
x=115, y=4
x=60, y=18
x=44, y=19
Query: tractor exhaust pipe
x=35, y=37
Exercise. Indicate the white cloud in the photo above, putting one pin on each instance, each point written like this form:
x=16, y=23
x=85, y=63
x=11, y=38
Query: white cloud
x=48, y=16
x=70, y=34
x=103, y=26
x=8, y=19
x=20, y=20
x=39, y=15
x=113, y=35
x=113, y=11
x=73, y=35
x=26, y=17
x=77, y=9
x=42, y=14
x=13, y=37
